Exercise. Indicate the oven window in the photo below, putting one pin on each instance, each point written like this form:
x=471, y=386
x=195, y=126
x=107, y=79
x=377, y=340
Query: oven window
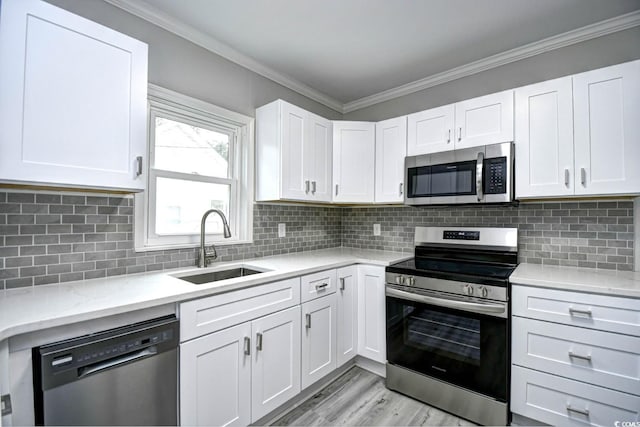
x=450, y=335
x=451, y=179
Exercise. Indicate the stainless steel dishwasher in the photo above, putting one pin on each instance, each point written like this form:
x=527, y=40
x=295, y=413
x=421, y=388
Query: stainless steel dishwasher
x=124, y=376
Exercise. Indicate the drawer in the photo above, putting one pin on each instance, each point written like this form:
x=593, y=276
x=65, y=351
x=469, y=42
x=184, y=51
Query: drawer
x=559, y=401
x=317, y=285
x=613, y=314
x=602, y=358
x=210, y=314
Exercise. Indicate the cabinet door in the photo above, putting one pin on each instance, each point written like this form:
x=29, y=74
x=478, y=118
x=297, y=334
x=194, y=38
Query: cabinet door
x=275, y=375
x=607, y=134
x=430, y=131
x=296, y=149
x=318, y=339
x=73, y=110
x=371, y=313
x=353, y=161
x=215, y=379
x=347, y=311
x=544, y=139
x=391, y=148
x=484, y=120
x=320, y=158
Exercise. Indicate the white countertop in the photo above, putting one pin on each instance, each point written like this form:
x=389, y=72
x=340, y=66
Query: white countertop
x=29, y=309
x=609, y=282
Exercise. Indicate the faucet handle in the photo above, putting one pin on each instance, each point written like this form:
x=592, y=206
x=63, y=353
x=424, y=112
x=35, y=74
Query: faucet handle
x=209, y=255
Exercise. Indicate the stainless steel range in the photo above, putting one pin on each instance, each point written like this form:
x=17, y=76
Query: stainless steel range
x=448, y=321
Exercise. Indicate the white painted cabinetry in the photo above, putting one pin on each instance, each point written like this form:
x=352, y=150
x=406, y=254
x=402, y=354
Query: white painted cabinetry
x=318, y=338
x=371, y=313
x=607, y=133
x=293, y=154
x=478, y=121
x=544, y=139
x=575, y=357
x=391, y=149
x=353, y=162
x=73, y=110
x=347, y=311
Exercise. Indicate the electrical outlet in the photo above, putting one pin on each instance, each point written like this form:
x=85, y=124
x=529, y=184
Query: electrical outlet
x=282, y=230
x=376, y=229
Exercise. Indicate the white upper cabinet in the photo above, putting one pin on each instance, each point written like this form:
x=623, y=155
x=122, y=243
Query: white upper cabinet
x=430, y=131
x=353, y=162
x=607, y=133
x=544, y=139
x=478, y=121
x=391, y=148
x=73, y=110
x=293, y=154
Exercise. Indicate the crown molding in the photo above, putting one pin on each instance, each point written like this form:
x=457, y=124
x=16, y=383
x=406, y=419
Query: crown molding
x=578, y=35
x=167, y=22
x=171, y=24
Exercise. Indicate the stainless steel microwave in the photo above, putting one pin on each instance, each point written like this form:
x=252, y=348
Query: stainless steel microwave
x=481, y=174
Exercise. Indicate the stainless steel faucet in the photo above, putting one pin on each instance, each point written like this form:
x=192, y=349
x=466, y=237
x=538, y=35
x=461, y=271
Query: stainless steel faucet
x=203, y=257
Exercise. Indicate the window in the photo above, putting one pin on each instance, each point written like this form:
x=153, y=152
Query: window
x=200, y=157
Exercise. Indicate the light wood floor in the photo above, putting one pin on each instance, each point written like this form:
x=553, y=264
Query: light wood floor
x=359, y=398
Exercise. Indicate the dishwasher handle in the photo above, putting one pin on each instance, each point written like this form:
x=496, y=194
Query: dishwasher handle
x=116, y=361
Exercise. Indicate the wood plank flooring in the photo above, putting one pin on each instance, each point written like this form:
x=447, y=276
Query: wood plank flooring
x=359, y=398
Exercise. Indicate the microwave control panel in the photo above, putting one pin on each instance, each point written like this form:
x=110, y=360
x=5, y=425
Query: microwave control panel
x=495, y=175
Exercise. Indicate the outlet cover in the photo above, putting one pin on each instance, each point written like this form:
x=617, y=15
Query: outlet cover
x=282, y=230
x=376, y=229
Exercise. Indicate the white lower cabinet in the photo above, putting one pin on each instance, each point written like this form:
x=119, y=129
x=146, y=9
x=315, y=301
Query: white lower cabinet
x=372, y=342
x=318, y=339
x=215, y=379
x=347, y=324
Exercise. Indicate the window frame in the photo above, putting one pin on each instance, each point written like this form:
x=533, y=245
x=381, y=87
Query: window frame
x=175, y=106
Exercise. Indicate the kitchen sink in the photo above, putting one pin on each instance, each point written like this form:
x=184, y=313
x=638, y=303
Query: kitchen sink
x=214, y=276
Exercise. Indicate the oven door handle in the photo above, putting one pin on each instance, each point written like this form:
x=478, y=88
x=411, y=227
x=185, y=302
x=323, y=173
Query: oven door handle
x=483, y=308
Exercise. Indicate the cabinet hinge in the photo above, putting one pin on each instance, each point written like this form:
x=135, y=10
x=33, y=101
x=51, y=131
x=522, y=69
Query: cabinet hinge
x=5, y=402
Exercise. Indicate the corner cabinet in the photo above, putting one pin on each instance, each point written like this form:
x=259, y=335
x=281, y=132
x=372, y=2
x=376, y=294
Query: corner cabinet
x=471, y=123
x=318, y=339
x=293, y=154
x=73, y=110
x=391, y=148
x=353, y=162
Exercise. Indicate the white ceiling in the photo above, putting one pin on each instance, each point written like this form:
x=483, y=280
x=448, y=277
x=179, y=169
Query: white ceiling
x=351, y=49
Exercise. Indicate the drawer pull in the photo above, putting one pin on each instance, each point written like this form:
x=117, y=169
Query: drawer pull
x=579, y=356
x=321, y=286
x=342, y=283
x=308, y=320
x=584, y=412
x=582, y=313
x=259, y=341
x=247, y=346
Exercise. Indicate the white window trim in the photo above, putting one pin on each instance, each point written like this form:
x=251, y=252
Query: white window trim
x=179, y=104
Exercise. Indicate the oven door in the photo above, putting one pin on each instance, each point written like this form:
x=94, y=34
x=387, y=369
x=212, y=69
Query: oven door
x=463, y=342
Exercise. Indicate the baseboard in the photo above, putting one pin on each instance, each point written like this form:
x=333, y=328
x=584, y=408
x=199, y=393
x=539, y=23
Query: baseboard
x=372, y=366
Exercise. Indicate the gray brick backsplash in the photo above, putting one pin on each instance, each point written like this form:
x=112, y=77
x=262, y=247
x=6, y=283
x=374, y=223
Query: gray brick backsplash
x=52, y=238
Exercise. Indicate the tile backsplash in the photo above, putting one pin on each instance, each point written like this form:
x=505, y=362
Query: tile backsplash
x=51, y=238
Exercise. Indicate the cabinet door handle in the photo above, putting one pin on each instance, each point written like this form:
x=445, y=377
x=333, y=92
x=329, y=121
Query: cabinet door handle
x=342, y=283
x=313, y=187
x=307, y=320
x=460, y=134
x=306, y=186
x=566, y=177
x=583, y=177
x=449, y=137
x=247, y=346
x=584, y=313
x=336, y=189
x=401, y=188
x=573, y=355
x=259, y=341
x=584, y=412
x=138, y=165
x=321, y=286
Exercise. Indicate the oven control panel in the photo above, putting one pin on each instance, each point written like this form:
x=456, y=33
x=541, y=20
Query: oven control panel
x=474, y=290
x=460, y=235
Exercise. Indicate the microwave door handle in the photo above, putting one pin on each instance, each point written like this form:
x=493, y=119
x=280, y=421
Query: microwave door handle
x=479, y=166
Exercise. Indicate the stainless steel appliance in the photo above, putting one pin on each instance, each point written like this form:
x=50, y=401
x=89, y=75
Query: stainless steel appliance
x=471, y=175
x=447, y=320
x=124, y=376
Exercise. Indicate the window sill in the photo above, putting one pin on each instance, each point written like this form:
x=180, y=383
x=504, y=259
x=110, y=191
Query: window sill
x=191, y=245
